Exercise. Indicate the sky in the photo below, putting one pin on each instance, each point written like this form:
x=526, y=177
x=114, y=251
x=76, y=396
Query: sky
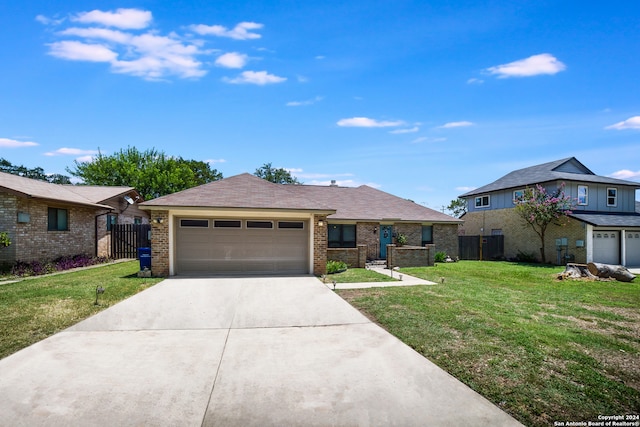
x=422, y=99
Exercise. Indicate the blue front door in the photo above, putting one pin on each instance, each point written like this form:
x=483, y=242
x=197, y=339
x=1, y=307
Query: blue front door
x=386, y=238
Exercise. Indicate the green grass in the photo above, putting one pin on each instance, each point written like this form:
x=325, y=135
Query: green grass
x=35, y=308
x=542, y=349
x=357, y=275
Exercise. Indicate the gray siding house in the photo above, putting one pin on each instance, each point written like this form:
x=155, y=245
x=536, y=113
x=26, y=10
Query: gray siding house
x=604, y=225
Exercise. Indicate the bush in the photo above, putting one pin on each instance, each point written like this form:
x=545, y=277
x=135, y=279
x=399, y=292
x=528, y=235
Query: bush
x=4, y=239
x=440, y=256
x=526, y=257
x=36, y=268
x=401, y=240
x=336, y=267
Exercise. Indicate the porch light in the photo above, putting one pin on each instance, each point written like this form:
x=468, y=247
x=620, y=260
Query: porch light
x=158, y=220
x=320, y=223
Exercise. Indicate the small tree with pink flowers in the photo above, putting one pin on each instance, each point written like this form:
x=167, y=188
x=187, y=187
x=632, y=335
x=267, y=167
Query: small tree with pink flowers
x=539, y=208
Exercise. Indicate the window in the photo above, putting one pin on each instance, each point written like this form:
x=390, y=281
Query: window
x=342, y=236
x=291, y=224
x=259, y=224
x=518, y=195
x=427, y=234
x=482, y=202
x=583, y=195
x=227, y=223
x=194, y=223
x=496, y=231
x=111, y=221
x=58, y=219
x=612, y=197
x=137, y=220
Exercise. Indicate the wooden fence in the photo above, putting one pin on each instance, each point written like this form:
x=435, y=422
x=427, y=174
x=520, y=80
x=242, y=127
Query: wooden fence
x=481, y=247
x=127, y=238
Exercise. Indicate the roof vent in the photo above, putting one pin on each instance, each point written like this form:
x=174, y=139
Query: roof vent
x=333, y=183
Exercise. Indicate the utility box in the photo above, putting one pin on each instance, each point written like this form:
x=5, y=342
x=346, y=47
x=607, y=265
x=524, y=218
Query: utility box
x=144, y=254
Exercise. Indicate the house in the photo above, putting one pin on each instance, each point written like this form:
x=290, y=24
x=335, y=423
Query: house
x=604, y=225
x=45, y=221
x=244, y=224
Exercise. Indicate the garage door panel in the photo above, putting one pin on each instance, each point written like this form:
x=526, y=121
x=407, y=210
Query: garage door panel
x=227, y=250
x=606, y=246
x=633, y=249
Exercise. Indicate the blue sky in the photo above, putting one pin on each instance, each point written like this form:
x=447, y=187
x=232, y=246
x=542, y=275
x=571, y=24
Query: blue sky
x=422, y=99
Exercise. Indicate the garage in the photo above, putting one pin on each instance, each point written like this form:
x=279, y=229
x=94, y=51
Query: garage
x=632, y=248
x=230, y=246
x=606, y=247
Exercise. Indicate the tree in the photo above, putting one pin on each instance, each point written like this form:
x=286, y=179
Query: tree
x=539, y=209
x=151, y=172
x=457, y=207
x=35, y=173
x=279, y=176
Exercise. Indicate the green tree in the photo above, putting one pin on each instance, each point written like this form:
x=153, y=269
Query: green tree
x=35, y=173
x=457, y=207
x=539, y=209
x=151, y=172
x=279, y=176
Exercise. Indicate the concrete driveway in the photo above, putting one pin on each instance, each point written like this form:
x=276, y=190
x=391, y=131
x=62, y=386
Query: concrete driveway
x=233, y=352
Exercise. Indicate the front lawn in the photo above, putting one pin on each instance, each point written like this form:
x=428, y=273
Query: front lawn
x=543, y=350
x=35, y=308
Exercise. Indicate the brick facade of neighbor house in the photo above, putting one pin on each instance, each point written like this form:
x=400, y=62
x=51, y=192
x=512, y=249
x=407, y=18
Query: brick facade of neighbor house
x=519, y=237
x=445, y=238
x=31, y=241
x=160, y=243
x=413, y=233
x=319, y=245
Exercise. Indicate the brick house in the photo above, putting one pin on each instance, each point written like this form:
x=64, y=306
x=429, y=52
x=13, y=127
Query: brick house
x=244, y=225
x=604, y=225
x=45, y=221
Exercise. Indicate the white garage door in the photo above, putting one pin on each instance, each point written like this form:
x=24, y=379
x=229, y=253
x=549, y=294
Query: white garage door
x=606, y=247
x=633, y=248
x=208, y=246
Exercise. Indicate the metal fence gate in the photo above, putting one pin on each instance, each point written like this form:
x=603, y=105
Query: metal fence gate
x=127, y=238
x=481, y=247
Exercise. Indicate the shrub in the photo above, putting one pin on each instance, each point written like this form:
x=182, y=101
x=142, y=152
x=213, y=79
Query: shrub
x=401, y=240
x=36, y=268
x=440, y=256
x=4, y=239
x=335, y=266
x=526, y=257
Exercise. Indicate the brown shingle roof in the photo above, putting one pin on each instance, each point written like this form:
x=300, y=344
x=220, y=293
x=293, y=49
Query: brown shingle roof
x=99, y=193
x=44, y=190
x=247, y=191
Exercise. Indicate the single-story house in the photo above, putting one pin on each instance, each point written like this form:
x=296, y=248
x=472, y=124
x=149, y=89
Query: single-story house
x=247, y=225
x=45, y=221
x=603, y=226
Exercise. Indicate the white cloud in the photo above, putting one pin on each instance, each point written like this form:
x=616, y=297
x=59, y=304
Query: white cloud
x=365, y=122
x=133, y=19
x=49, y=21
x=242, y=31
x=427, y=139
x=465, y=189
x=408, y=130
x=70, y=152
x=78, y=51
x=532, y=66
x=115, y=36
x=232, y=60
x=255, y=77
x=320, y=57
x=626, y=174
x=13, y=143
x=303, y=103
x=474, y=81
x=630, y=123
x=456, y=125
x=214, y=161
x=85, y=159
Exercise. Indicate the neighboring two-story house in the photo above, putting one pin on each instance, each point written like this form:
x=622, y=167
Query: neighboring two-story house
x=604, y=225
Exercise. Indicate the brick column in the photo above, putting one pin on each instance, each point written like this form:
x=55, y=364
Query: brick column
x=160, y=243
x=319, y=245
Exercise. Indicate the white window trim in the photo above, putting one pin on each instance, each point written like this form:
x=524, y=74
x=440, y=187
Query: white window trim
x=586, y=195
x=515, y=198
x=482, y=206
x=615, y=198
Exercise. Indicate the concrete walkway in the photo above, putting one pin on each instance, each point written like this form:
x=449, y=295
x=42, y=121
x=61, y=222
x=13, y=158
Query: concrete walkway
x=233, y=352
x=405, y=280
